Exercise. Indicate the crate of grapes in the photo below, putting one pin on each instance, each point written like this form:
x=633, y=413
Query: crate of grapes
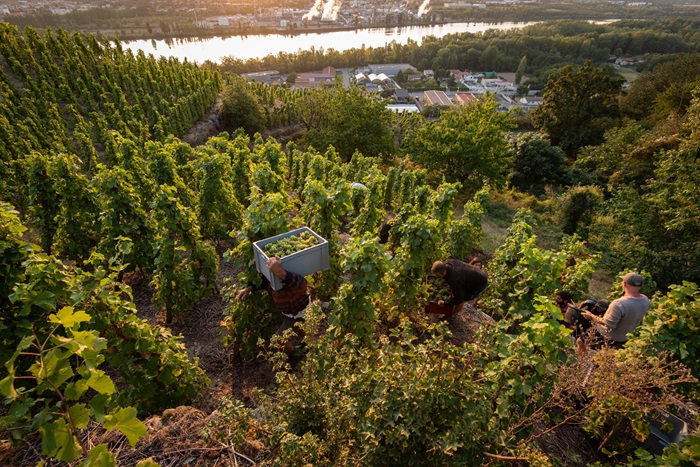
x=438, y=290
x=302, y=251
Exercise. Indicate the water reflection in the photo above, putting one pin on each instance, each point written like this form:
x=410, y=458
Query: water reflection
x=257, y=46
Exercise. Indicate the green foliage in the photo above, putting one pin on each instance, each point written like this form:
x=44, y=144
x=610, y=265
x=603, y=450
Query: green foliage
x=150, y=361
x=240, y=107
x=466, y=233
x=324, y=211
x=13, y=253
x=74, y=95
x=371, y=213
x=360, y=402
x=627, y=156
x=659, y=235
x=122, y=216
x=77, y=223
x=673, y=323
x=51, y=396
x=419, y=239
x=185, y=267
x=265, y=179
x=399, y=402
x=520, y=271
x=684, y=454
x=466, y=144
x=248, y=321
x=578, y=206
x=520, y=370
x=536, y=164
x=671, y=195
x=270, y=151
x=324, y=207
x=43, y=200
x=219, y=210
x=60, y=325
x=365, y=265
x=664, y=91
x=578, y=106
x=363, y=125
x=164, y=170
x=443, y=201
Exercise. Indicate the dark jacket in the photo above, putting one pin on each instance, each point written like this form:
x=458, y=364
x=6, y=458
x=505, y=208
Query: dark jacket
x=465, y=281
x=575, y=320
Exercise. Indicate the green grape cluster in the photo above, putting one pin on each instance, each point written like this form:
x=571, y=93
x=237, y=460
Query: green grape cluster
x=438, y=289
x=288, y=245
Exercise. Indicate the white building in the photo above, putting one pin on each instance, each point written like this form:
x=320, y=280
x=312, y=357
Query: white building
x=398, y=108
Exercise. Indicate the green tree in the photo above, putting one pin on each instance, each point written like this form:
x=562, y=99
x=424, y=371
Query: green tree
x=656, y=227
x=628, y=156
x=241, y=107
x=578, y=106
x=665, y=90
x=578, y=207
x=353, y=123
x=536, y=164
x=468, y=144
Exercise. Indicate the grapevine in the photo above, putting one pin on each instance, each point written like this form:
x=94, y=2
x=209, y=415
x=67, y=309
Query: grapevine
x=438, y=289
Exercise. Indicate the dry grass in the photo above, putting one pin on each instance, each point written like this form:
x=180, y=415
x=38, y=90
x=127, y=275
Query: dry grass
x=600, y=284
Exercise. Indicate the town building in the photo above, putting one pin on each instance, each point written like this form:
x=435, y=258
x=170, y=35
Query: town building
x=436, y=98
x=399, y=108
x=325, y=77
x=389, y=69
x=401, y=96
x=462, y=98
x=529, y=102
x=267, y=77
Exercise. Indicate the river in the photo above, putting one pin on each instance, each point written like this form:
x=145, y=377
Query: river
x=258, y=46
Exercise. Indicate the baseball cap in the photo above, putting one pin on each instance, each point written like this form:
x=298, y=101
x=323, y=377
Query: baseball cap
x=602, y=304
x=633, y=279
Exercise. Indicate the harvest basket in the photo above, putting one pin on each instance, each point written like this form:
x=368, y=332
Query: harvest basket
x=432, y=307
x=304, y=262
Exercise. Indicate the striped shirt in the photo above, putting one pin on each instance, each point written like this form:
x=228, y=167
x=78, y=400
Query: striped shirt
x=293, y=298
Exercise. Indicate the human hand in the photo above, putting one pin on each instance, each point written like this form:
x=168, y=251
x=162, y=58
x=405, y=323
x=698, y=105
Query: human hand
x=274, y=264
x=441, y=302
x=588, y=315
x=243, y=293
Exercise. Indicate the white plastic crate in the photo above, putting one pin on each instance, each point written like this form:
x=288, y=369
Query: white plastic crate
x=304, y=262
